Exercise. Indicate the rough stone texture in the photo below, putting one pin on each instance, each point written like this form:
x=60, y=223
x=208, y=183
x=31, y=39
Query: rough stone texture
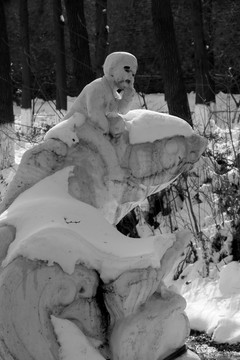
x=30, y=292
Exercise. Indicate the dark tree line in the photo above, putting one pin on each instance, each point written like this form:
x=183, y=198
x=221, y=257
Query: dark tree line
x=6, y=109
x=71, y=20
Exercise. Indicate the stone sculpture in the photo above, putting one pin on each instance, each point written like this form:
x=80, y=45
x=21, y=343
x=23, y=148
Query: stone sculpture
x=103, y=100
x=71, y=286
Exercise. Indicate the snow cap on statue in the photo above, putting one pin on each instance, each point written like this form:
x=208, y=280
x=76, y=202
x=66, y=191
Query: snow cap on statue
x=119, y=58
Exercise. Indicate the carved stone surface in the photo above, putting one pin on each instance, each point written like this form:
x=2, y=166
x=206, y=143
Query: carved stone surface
x=64, y=264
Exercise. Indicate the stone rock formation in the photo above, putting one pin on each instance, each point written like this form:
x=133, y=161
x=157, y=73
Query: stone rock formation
x=71, y=285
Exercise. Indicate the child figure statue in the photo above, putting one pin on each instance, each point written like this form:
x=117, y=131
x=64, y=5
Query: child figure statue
x=104, y=100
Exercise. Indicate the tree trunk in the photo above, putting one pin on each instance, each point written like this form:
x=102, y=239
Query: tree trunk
x=210, y=26
x=175, y=92
x=204, y=91
x=101, y=36
x=26, y=112
x=82, y=70
x=61, y=94
x=209, y=23
x=6, y=102
x=205, y=95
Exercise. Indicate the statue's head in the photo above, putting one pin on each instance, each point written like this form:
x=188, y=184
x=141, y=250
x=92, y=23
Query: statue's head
x=121, y=67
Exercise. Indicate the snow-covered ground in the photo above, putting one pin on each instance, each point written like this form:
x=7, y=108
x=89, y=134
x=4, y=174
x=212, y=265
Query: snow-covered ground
x=213, y=302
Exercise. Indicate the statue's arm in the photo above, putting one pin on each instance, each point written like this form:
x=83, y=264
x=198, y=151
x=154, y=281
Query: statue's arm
x=127, y=98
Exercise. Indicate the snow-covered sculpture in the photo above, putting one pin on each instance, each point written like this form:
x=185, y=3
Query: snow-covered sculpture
x=103, y=100
x=73, y=287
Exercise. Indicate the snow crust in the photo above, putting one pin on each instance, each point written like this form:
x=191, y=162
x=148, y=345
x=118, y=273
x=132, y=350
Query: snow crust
x=55, y=227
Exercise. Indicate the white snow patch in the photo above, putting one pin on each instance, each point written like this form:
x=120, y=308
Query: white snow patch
x=149, y=126
x=229, y=279
x=213, y=305
x=74, y=344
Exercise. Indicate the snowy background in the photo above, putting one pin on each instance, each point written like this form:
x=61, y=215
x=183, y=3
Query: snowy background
x=213, y=301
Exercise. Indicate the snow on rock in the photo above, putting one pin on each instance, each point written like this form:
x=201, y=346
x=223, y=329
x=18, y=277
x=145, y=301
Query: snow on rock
x=57, y=228
x=65, y=130
x=149, y=126
x=74, y=345
x=143, y=126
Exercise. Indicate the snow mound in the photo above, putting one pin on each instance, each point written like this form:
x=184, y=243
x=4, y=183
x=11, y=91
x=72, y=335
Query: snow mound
x=55, y=227
x=149, y=126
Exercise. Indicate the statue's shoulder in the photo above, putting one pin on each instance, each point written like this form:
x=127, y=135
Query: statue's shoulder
x=96, y=86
